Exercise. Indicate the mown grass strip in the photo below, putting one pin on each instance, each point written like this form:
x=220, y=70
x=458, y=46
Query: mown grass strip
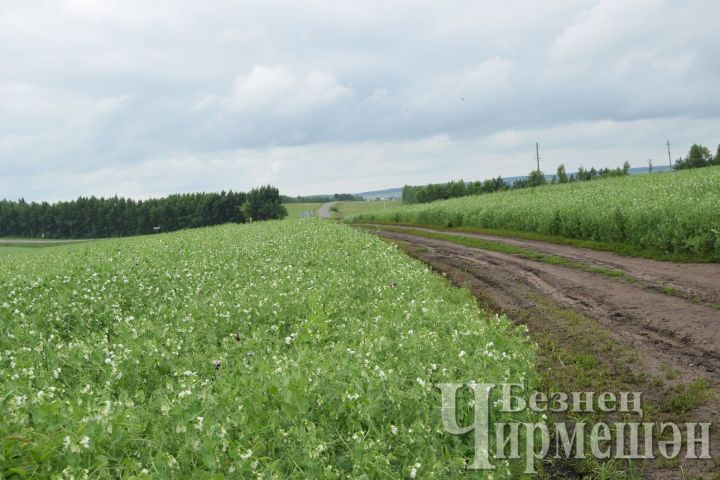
x=510, y=250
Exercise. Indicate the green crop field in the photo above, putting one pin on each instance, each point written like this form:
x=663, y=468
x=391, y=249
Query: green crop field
x=293, y=349
x=677, y=213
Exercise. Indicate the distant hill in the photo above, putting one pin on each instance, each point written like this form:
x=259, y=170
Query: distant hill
x=382, y=194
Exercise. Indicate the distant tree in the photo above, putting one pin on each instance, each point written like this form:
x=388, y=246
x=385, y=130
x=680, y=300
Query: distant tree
x=561, y=174
x=106, y=217
x=626, y=168
x=716, y=160
x=520, y=183
x=264, y=203
x=500, y=184
x=346, y=197
x=581, y=175
x=536, y=178
x=698, y=156
x=409, y=194
x=456, y=189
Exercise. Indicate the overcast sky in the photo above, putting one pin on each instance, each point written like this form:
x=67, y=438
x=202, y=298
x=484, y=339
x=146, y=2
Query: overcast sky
x=140, y=98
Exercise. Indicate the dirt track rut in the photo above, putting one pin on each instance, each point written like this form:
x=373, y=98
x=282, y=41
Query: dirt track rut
x=678, y=329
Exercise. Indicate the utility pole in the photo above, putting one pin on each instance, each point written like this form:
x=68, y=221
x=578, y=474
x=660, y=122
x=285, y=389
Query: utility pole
x=537, y=155
x=669, y=157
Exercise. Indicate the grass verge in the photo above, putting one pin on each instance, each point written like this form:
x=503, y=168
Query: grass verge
x=511, y=250
x=622, y=249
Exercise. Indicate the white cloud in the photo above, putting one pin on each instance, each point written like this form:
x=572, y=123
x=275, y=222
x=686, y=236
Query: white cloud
x=99, y=97
x=610, y=27
x=283, y=91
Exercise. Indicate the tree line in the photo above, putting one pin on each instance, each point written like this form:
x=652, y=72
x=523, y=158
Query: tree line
x=441, y=191
x=92, y=217
x=698, y=157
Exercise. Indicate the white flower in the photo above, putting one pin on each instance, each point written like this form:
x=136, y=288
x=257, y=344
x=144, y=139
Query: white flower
x=85, y=441
x=393, y=429
x=199, y=424
x=462, y=353
x=246, y=455
x=184, y=393
x=420, y=381
x=67, y=442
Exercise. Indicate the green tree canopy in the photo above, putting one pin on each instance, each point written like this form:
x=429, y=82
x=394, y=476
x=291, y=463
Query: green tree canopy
x=264, y=203
x=536, y=178
x=561, y=174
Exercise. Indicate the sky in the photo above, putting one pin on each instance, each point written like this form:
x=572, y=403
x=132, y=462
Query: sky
x=143, y=99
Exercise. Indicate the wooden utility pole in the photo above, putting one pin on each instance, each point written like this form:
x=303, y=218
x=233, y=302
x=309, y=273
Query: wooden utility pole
x=537, y=155
x=669, y=157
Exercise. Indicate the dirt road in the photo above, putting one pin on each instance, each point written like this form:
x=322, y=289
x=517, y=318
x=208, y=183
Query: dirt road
x=27, y=241
x=324, y=211
x=656, y=329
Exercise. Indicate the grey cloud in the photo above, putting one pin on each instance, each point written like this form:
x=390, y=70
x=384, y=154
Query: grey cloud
x=140, y=98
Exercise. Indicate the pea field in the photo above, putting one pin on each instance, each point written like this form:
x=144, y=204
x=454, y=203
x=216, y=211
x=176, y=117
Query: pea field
x=675, y=212
x=285, y=349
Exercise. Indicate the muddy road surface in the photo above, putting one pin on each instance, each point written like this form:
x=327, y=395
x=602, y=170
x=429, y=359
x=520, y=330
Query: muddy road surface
x=654, y=329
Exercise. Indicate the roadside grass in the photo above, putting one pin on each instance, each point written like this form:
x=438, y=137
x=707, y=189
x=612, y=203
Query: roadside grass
x=510, y=250
x=623, y=249
x=682, y=398
x=574, y=354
